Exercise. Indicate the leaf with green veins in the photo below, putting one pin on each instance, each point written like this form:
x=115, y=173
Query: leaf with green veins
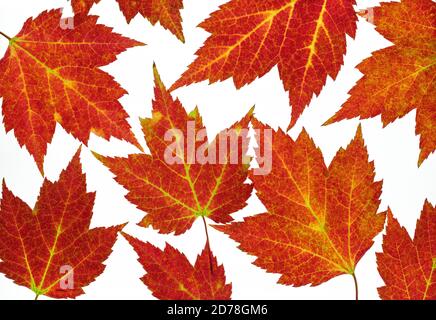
x=51, y=249
x=176, y=184
x=52, y=75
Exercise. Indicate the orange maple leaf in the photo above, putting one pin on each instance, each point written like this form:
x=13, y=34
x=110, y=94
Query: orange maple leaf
x=170, y=276
x=174, y=195
x=408, y=266
x=51, y=75
x=400, y=78
x=50, y=249
x=320, y=221
x=166, y=12
x=305, y=38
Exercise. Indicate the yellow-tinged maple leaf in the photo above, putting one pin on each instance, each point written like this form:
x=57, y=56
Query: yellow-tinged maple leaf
x=320, y=221
x=170, y=276
x=305, y=38
x=408, y=266
x=175, y=186
x=400, y=78
x=51, y=74
x=50, y=249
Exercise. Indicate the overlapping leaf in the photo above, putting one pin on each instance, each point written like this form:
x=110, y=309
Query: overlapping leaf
x=50, y=249
x=320, y=221
x=177, y=183
x=400, y=78
x=51, y=75
x=408, y=266
x=170, y=276
x=305, y=38
x=166, y=12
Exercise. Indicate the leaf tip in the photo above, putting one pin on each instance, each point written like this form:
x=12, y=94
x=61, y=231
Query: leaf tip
x=157, y=77
x=250, y=112
x=195, y=113
x=330, y=121
x=181, y=37
x=390, y=216
x=359, y=132
x=40, y=165
x=126, y=235
x=122, y=226
x=98, y=156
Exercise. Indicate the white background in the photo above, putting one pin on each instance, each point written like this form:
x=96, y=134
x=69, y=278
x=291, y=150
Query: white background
x=394, y=149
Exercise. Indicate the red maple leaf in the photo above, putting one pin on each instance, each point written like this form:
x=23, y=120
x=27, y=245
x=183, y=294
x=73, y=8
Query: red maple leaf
x=400, y=78
x=408, y=266
x=320, y=221
x=51, y=75
x=50, y=249
x=175, y=195
x=166, y=12
x=170, y=276
x=305, y=38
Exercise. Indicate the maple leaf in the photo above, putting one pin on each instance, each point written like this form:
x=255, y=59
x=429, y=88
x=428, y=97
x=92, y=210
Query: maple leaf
x=170, y=276
x=408, y=266
x=174, y=195
x=50, y=249
x=320, y=220
x=50, y=75
x=305, y=38
x=166, y=12
x=400, y=78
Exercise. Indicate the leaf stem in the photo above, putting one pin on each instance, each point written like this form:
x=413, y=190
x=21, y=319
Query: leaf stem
x=36, y=297
x=356, y=286
x=208, y=245
x=4, y=35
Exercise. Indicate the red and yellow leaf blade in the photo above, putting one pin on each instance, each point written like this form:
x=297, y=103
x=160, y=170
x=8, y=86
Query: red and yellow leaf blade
x=400, y=78
x=51, y=75
x=306, y=39
x=175, y=192
x=320, y=220
x=44, y=247
x=408, y=266
x=170, y=276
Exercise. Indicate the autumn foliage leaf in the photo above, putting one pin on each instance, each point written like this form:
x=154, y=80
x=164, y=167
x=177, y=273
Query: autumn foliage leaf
x=170, y=276
x=304, y=38
x=408, y=266
x=175, y=194
x=400, y=78
x=320, y=220
x=50, y=248
x=166, y=12
x=51, y=75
